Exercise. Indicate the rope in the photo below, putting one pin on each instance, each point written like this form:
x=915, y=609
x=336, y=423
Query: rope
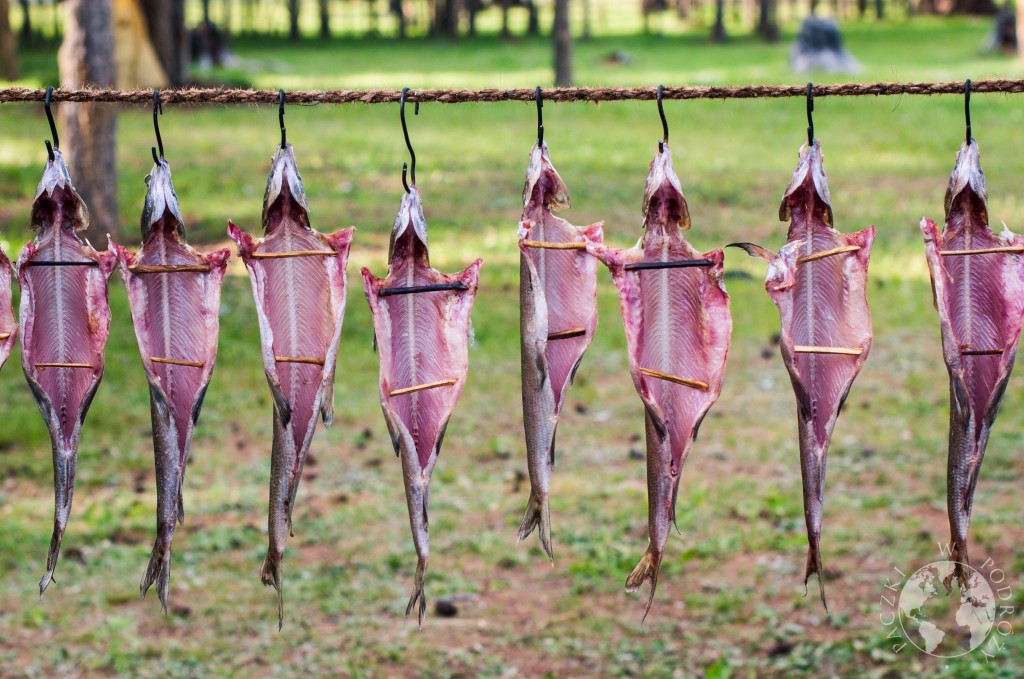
x=557, y=94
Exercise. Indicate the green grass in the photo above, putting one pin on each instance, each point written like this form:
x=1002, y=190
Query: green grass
x=730, y=596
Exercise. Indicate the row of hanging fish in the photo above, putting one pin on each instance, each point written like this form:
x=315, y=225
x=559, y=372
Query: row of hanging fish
x=676, y=316
x=674, y=307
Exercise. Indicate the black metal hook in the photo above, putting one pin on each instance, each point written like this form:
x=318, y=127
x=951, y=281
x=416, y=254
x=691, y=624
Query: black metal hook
x=810, y=112
x=408, y=144
x=280, y=118
x=664, y=121
x=53, y=126
x=157, y=109
x=967, y=109
x=540, y=118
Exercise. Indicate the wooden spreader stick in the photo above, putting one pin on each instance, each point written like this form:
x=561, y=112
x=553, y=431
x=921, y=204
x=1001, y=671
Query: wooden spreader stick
x=423, y=387
x=49, y=262
x=981, y=352
x=696, y=384
x=416, y=289
x=293, y=253
x=174, y=361
x=827, y=253
x=63, y=365
x=169, y=268
x=568, y=334
x=1012, y=249
x=299, y=359
x=554, y=246
x=843, y=351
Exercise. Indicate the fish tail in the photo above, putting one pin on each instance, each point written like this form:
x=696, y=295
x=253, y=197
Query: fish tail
x=646, y=570
x=814, y=567
x=271, y=574
x=961, y=564
x=51, y=557
x=418, y=600
x=158, y=571
x=538, y=516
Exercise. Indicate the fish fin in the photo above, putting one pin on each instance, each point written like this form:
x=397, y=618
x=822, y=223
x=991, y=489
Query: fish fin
x=961, y=562
x=814, y=567
x=418, y=600
x=198, y=405
x=284, y=409
x=159, y=572
x=271, y=575
x=538, y=516
x=51, y=557
x=647, y=569
x=181, y=507
x=755, y=250
x=440, y=438
x=327, y=403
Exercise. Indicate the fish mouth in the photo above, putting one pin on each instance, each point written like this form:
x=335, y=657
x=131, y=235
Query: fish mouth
x=285, y=192
x=542, y=176
x=56, y=199
x=664, y=205
x=410, y=213
x=967, y=182
x=161, y=206
x=809, y=174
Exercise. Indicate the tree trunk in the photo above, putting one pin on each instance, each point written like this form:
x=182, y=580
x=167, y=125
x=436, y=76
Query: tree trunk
x=325, y=19
x=563, y=44
x=880, y=9
x=533, y=27
x=165, y=21
x=86, y=57
x=398, y=9
x=293, y=20
x=718, y=30
x=586, y=20
x=768, y=25
x=26, y=20
x=8, y=51
x=504, y=18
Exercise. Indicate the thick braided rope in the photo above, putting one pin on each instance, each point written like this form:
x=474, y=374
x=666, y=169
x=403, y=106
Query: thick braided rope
x=197, y=96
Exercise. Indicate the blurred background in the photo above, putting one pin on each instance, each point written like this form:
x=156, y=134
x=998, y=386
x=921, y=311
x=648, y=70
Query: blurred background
x=730, y=600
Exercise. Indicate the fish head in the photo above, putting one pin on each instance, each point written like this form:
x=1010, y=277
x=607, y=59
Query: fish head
x=409, y=233
x=665, y=210
x=808, y=186
x=161, y=213
x=966, y=192
x=285, y=199
x=543, y=185
x=57, y=204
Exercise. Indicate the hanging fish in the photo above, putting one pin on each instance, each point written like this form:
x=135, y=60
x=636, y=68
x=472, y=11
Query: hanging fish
x=558, y=317
x=174, y=295
x=978, y=284
x=676, y=314
x=298, y=281
x=421, y=327
x=65, y=321
x=818, y=280
x=8, y=325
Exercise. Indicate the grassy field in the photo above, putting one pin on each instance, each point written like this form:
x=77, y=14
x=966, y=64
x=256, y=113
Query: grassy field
x=730, y=602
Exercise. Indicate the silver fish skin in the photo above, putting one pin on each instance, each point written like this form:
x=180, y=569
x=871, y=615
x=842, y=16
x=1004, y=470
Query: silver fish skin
x=557, y=293
x=176, y=317
x=980, y=302
x=65, y=319
x=8, y=324
x=677, y=322
x=300, y=304
x=422, y=338
x=822, y=302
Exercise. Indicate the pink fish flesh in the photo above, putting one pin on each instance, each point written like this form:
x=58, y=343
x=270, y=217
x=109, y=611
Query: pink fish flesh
x=677, y=324
x=177, y=317
x=823, y=304
x=300, y=304
x=8, y=325
x=65, y=321
x=980, y=300
x=423, y=338
x=558, y=295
